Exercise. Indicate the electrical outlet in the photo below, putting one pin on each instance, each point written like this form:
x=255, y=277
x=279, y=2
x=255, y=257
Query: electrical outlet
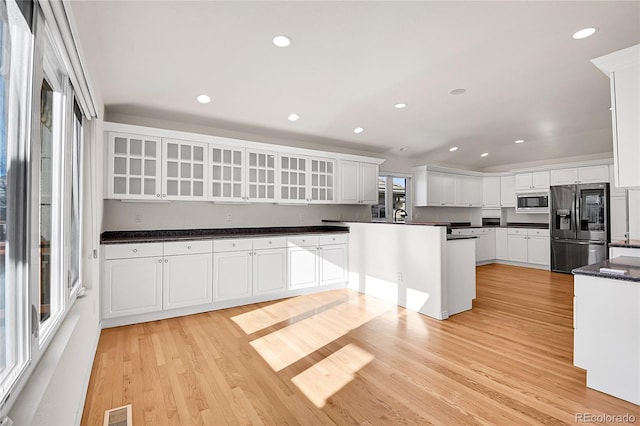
x=301, y=217
x=228, y=217
x=399, y=277
x=137, y=218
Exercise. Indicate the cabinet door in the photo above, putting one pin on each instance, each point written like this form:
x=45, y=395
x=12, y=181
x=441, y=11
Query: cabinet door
x=441, y=189
x=490, y=240
x=614, y=191
x=517, y=246
x=468, y=191
x=134, y=170
x=269, y=271
x=349, y=182
x=261, y=176
x=293, y=179
x=184, y=170
x=593, y=174
x=187, y=280
x=132, y=286
x=538, y=250
x=625, y=85
x=502, y=251
x=333, y=264
x=322, y=183
x=618, y=211
x=564, y=176
x=232, y=275
x=508, y=191
x=524, y=181
x=368, y=183
x=303, y=267
x=540, y=180
x=226, y=167
x=491, y=191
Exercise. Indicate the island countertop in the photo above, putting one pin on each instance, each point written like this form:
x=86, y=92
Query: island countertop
x=631, y=266
x=627, y=244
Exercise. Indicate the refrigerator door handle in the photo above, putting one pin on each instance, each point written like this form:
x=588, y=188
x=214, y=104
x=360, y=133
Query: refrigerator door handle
x=580, y=242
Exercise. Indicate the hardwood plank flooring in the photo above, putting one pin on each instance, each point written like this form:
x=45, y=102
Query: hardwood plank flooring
x=341, y=357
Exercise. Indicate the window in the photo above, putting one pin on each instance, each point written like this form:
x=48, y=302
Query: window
x=393, y=199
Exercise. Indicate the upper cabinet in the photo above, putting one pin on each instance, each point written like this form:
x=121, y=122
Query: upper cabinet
x=491, y=191
x=623, y=69
x=532, y=181
x=508, y=191
x=134, y=167
x=153, y=164
x=588, y=174
x=442, y=189
x=358, y=182
x=468, y=191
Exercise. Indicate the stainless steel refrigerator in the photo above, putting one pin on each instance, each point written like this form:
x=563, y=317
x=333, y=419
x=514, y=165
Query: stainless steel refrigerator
x=579, y=225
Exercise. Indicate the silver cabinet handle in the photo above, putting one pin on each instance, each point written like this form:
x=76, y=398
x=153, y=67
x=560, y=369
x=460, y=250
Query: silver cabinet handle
x=159, y=260
x=158, y=195
x=135, y=250
x=166, y=261
x=188, y=247
x=270, y=242
x=233, y=244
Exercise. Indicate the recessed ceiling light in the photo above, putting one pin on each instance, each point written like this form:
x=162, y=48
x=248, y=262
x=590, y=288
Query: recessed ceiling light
x=293, y=117
x=453, y=148
x=358, y=130
x=584, y=33
x=203, y=99
x=519, y=141
x=400, y=106
x=403, y=149
x=457, y=91
x=281, y=41
x=484, y=154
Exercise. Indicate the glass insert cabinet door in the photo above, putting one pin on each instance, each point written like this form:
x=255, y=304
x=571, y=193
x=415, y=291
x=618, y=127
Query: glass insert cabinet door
x=134, y=167
x=322, y=180
x=184, y=170
x=261, y=176
x=293, y=179
x=226, y=167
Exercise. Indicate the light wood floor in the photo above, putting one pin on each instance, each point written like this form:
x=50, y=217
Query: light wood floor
x=343, y=358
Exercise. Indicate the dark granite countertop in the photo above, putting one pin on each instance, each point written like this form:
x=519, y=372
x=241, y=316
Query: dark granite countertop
x=628, y=244
x=460, y=237
x=631, y=266
x=526, y=225
x=155, y=236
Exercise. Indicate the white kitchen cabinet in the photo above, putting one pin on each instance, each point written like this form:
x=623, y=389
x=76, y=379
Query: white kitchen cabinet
x=261, y=176
x=615, y=191
x=623, y=69
x=618, y=218
x=528, y=245
x=517, y=244
x=187, y=274
x=184, y=170
x=491, y=191
x=468, y=191
x=485, y=242
x=538, y=250
x=269, y=265
x=226, y=165
x=433, y=188
x=322, y=181
x=502, y=250
x=232, y=269
x=293, y=179
x=587, y=174
x=132, y=280
x=334, y=256
x=134, y=169
x=532, y=180
x=358, y=182
x=508, y=191
x=303, y=255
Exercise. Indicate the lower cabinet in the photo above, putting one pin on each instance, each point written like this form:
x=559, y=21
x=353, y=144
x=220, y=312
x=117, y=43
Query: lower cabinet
x=317, y=260
x=154, y=277
x=502, y=250
x=529, y=246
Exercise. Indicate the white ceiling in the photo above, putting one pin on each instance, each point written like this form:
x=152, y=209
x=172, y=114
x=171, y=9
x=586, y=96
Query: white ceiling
x=350, y=62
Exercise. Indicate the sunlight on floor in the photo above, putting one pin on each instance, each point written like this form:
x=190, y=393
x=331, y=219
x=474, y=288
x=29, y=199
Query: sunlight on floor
x=328, y=376
x=293, y=342
x=261, y=318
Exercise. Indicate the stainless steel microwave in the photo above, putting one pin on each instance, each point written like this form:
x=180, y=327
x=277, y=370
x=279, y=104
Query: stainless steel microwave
x=532, y=202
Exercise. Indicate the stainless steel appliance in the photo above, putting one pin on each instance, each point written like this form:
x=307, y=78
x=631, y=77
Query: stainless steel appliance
x=579, y=225
x=532, y=202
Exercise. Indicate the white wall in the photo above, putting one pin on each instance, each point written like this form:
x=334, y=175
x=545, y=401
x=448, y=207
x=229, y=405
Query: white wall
x=447, y=214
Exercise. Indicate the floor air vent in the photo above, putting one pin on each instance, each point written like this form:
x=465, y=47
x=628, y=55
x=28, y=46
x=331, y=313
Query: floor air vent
x=120, y=416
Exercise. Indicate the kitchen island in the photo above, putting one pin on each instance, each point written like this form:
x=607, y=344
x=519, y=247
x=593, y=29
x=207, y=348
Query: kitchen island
x=417, y=266
x=606, y=317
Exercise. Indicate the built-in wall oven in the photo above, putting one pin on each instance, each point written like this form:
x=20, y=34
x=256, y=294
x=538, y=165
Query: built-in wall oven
x=532, y=202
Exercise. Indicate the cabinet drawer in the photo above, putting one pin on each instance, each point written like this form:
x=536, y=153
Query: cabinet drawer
x=188, y=247
x=128, y=251
x=232, y=245
x=268, y=243
x=303, y=241
x=516, y=231
x=538, y=232
x=334, y=239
